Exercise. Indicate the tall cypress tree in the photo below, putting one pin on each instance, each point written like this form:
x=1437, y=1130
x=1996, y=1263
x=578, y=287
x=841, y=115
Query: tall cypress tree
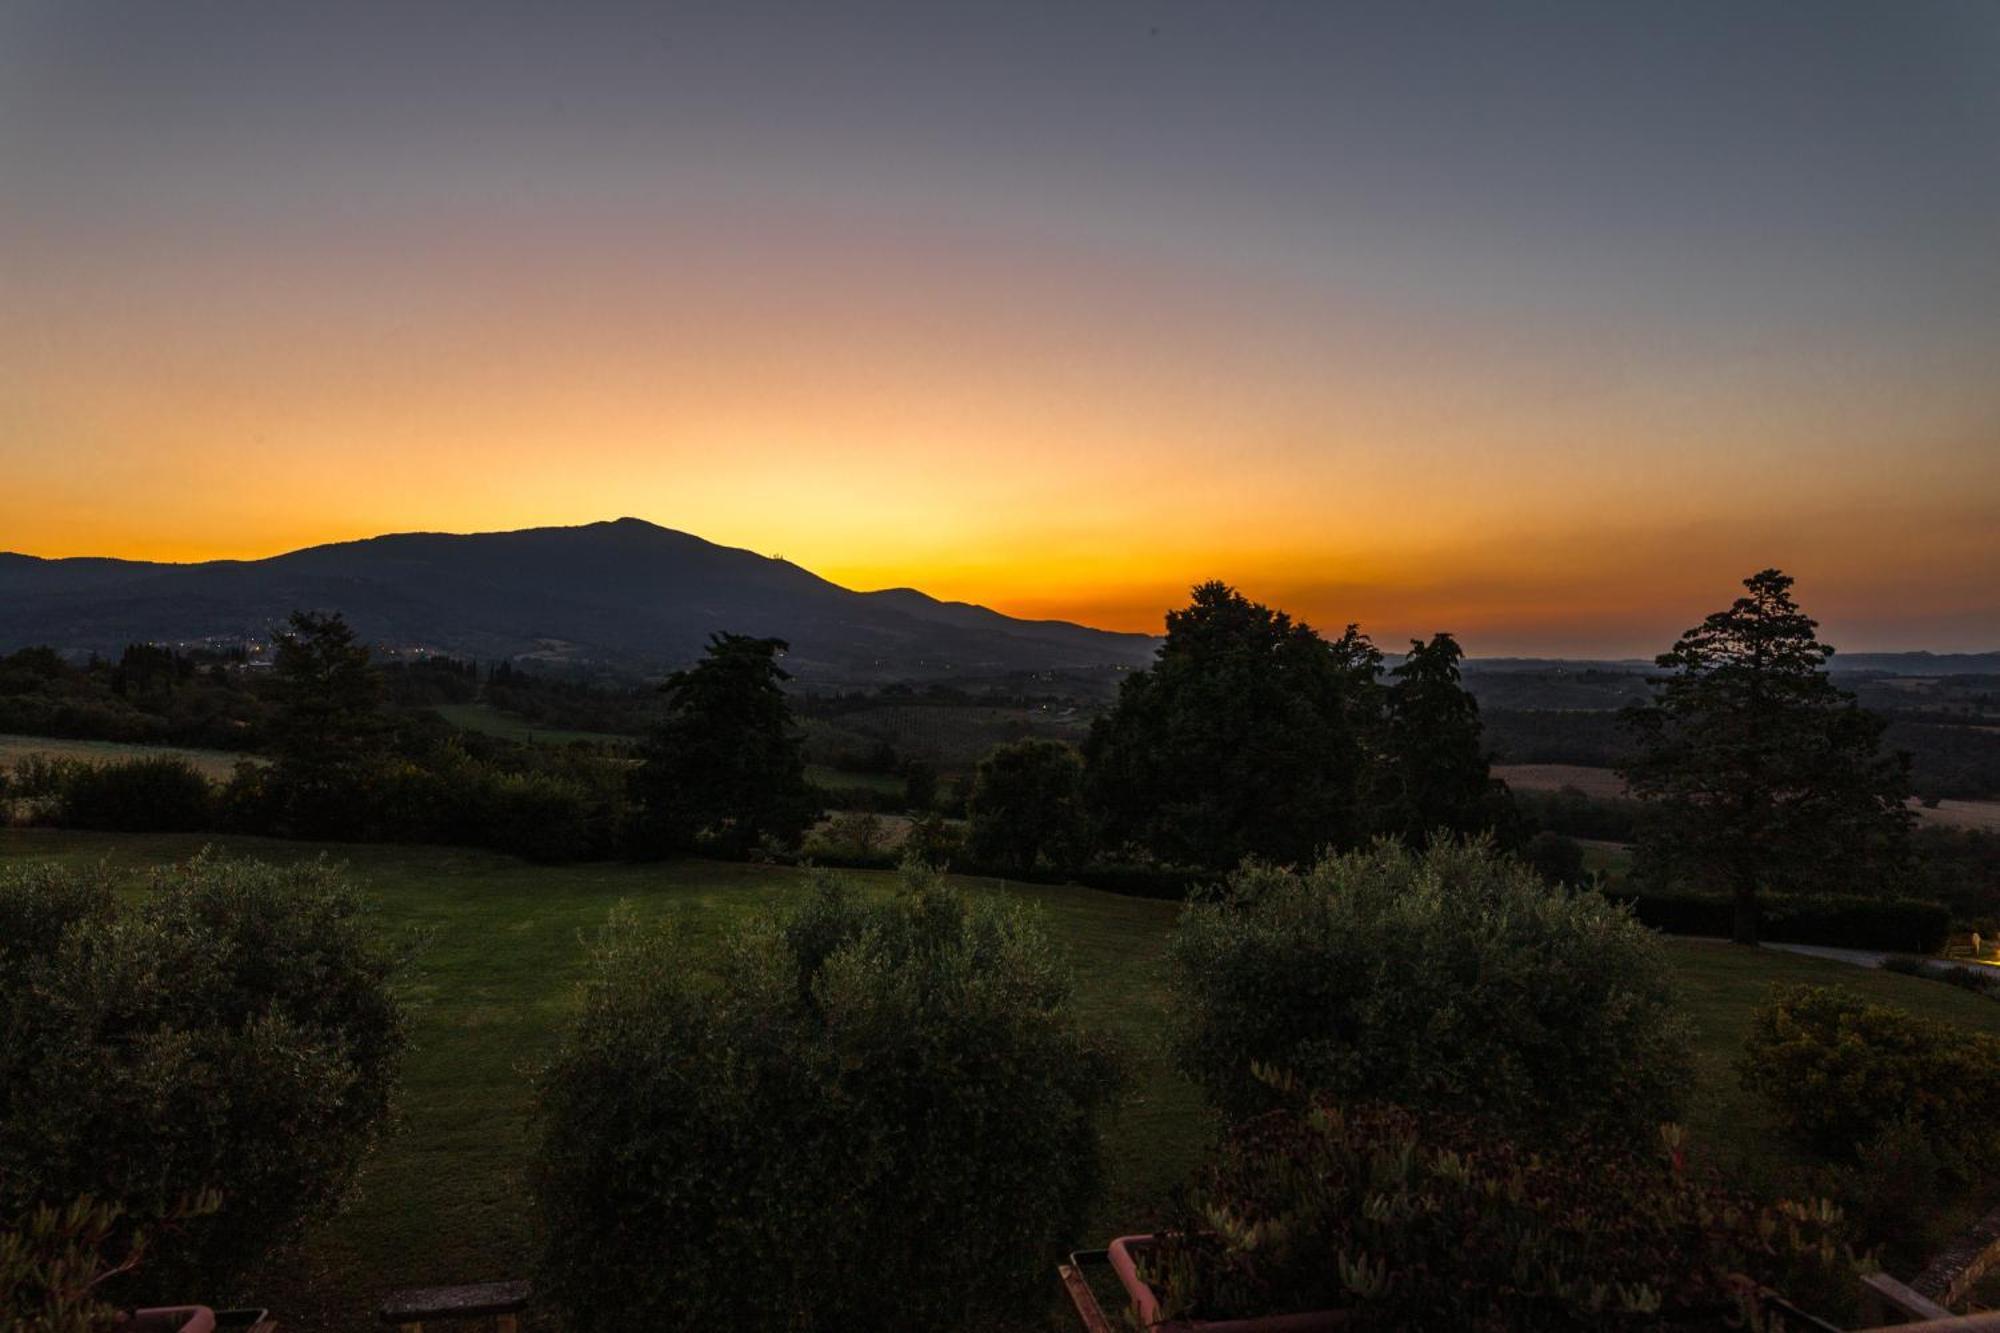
x=724, y=766
x=1762, y=774
x=1437, y=775
x=329, y=732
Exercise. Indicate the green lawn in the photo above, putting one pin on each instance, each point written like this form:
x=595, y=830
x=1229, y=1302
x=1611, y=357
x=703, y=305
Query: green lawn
x=443, y=1201
x=480, y=717
x=834, y=779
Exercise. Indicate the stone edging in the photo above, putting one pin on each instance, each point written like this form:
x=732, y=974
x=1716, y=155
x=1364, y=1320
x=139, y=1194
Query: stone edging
x=1961, y=1264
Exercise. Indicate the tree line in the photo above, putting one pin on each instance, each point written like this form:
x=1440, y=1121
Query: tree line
x=1252, y=737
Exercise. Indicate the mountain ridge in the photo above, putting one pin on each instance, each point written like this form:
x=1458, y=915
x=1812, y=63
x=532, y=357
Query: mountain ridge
x=622, y=592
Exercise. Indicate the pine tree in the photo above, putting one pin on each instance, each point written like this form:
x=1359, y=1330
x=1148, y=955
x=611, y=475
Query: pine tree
x=329, y=732
x=1762, y=774
x=724, y=766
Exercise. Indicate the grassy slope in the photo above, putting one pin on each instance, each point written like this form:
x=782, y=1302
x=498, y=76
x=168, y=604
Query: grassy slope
x=443, y=1201
x=215, y=763
x=834, y=779
x=479, y=717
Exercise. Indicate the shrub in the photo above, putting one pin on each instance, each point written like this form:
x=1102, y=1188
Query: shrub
x=855, y=1116
x=59, y=1267
x=539, y=817
x=1143, y=881
x=1840, y=1071
x=1976, y=980
x=234, y=1031
x=153, y=794
x=1840, y=921
x=41, y=777
x=1449, y=977
x=933, y=841
x=1442, y=1222
x=859, y=832
x=1555, y=857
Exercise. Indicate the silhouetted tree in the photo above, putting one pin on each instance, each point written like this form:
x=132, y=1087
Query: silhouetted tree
x=1436, y=776
x=1556, y=857
x=723, y=766
x=1762, y=774
x=328, y=735
x=920, y=786
x=1249, y=736
x=1026, y=807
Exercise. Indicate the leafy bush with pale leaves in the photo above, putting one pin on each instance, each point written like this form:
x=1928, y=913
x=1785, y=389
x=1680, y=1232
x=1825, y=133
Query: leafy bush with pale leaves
x=1443, y=1221
x=858, y=1114
x=1453, y=977
x=235, y=1030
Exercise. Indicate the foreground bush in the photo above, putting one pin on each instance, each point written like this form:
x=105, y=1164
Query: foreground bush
x=234, y=1031
x=60, y=1268
x=153, y=794
x=1842, y=1073
x=1451, y=978
x=856, y=1115
x=1441, y=1222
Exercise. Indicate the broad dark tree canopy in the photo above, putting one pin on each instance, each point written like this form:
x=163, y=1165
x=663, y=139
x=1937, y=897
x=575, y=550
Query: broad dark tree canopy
x=1247, y=737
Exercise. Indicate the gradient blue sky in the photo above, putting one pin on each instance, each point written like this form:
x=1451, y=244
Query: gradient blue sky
x=1541, y=323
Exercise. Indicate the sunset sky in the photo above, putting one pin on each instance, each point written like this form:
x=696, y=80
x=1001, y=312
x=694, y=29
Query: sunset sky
x=1544, y=324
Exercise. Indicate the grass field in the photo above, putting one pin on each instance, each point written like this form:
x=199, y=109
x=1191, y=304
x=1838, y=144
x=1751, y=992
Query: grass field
x=820, y=775
x=479, y=717
x=444, y=1202
x=215, y=763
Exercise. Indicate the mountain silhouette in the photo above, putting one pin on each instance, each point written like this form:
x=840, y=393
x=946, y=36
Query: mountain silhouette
x=626, y=594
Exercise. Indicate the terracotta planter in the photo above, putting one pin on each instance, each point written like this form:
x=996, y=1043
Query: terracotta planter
x=170, y=1319
x=1124, y=1256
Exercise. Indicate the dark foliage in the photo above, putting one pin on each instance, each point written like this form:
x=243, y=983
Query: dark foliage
x=864, y=1115
x=1840, y=1072
x=1026, y=810
x=1960, y=868
x=1250, y=735
x=1978, y=980
x=1763, y=777
x=329, y=735
x=154, y=794
x=1436, y=778
x=1452, y=978
x=235, y=1031
x=1444, y=1222
x=1839, y=921
x=1556, y=858
x=1570, y=812
x=723, y=767
x=62, y=1267
x=150, y=696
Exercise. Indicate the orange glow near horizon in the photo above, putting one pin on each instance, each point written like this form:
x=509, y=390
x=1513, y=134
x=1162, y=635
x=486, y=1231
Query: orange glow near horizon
x=1330, y=353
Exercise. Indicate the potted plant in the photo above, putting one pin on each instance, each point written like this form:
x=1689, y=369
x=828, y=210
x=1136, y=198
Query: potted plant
x=1308, y=1219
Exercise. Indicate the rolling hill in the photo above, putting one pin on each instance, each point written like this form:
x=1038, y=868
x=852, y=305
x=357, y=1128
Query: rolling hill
x=625, y=593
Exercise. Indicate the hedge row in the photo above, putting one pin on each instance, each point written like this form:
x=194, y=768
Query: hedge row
x=1899, y=924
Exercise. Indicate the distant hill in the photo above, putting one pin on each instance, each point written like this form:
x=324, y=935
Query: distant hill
x=625, y=594
x=1919, y=664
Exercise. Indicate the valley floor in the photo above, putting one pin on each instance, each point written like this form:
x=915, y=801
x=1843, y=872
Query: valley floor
x=503, y=946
